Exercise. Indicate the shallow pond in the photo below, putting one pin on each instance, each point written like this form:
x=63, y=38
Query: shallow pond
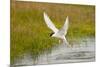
x=82, y=51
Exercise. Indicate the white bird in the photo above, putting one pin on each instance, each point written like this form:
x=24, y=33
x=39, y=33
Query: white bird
x=58, y=33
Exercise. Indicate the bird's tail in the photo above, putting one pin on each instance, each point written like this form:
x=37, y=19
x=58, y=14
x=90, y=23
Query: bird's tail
x=65, y=41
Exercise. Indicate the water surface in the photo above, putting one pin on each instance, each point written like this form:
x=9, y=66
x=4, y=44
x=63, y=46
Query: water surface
x=82, y=51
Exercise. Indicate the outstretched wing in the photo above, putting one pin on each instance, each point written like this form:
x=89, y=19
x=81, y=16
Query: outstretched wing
x=49, y=23
x=64, y=29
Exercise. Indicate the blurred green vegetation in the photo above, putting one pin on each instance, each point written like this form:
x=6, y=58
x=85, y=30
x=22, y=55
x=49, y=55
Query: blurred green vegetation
x=29, y=32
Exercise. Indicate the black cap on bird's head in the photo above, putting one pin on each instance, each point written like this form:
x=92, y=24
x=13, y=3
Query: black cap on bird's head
x=51, y=34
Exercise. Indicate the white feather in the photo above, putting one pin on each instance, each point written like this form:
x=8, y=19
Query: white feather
x=49, y=23
x=63, y=30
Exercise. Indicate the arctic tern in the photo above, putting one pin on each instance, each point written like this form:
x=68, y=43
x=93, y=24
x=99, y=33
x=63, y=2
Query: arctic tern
x=57, y=33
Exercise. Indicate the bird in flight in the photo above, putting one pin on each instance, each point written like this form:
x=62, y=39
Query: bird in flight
x=57, y=33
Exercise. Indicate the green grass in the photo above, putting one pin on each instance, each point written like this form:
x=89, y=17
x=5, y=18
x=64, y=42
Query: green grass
x=29, y=32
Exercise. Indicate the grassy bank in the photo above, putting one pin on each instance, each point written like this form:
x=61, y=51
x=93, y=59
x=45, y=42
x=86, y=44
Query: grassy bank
x=29, y=32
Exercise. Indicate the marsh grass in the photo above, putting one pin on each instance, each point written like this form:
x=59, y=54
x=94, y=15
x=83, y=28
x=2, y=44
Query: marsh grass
x=29, y=32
